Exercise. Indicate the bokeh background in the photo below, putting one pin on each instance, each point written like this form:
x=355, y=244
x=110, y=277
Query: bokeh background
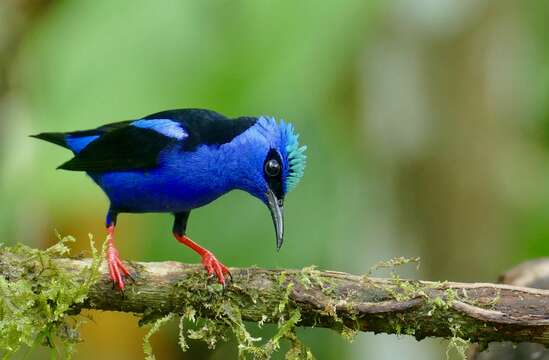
x=427, y=124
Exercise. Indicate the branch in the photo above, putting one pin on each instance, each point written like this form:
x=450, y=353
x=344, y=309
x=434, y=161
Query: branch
x=479, y=312
x=483, y=312
x=533, y=273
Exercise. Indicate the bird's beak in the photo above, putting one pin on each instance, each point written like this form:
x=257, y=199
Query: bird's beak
x=277, y=212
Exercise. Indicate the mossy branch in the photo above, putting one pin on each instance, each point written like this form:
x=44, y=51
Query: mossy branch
x=479, y=312
x=475, y=312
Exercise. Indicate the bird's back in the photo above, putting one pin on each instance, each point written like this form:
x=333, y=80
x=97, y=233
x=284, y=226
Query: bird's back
x=136, y=144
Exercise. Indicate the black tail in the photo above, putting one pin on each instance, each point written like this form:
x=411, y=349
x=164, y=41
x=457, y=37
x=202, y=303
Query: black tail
x=56, y=138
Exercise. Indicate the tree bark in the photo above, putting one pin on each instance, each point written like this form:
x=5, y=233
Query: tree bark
x=534, y=273
x=479, y=312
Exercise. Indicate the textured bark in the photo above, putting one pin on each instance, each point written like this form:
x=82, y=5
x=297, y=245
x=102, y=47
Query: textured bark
x=533, y=273
x=480, y=312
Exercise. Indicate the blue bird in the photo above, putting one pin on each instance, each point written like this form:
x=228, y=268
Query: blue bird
x=178, y=160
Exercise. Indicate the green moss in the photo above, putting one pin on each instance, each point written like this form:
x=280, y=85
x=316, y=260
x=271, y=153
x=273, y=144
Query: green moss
x=223, y=317
x=437, y=307
x=310, y=277
x=398, y=289
x=147, y=348
x=35, y=298
x=457, y=343
x=394, y=263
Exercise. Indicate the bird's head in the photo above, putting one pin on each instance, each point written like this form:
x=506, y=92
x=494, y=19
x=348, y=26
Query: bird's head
x=275, y=166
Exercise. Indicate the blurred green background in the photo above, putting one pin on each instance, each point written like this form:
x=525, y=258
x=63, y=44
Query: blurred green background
x=427, y=124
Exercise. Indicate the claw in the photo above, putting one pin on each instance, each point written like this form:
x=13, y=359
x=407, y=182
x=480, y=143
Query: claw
x=117, y=269
x=211, y=264
x=214, y=268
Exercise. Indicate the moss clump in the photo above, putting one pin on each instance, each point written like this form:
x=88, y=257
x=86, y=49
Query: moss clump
x=403, y=290
x=393, y=263
x=398, y=289
x=457, y=343
x=35, y=298
x=147, y=348
x=310, y=277
x=223, y=317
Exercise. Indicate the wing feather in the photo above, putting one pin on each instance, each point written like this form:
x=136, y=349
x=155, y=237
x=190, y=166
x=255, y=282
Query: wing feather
x=124, y=148
x=136, y=144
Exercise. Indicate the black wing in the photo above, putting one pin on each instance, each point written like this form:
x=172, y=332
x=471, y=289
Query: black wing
x=124, y=148
x=205, y=127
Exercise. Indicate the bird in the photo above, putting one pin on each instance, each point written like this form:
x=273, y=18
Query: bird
x=178, y=160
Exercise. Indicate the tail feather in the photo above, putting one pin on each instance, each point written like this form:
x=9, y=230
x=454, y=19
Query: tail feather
x=55, y=138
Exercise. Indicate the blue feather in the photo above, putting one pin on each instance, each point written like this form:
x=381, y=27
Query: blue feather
x=77, y=144
x=295, y=155
x=165, y=127
x=187, y=180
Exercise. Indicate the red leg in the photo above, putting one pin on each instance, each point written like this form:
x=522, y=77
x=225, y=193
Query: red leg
x=117, y=270
x=210, y=262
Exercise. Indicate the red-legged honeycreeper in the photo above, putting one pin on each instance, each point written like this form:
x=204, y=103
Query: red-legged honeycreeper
x=178, y=160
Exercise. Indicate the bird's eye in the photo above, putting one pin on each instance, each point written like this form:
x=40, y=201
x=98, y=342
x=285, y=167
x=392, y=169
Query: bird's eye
x=272, y=168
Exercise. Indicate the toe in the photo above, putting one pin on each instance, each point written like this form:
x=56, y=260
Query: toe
x=111, y=272
x=208, y=266
x=215, y=268
x=121, y=266
x=119, y=279
x=219, y=273
x=225, y=269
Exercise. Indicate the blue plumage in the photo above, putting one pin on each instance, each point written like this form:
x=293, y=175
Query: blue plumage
x=77, y=143
x=187, y=180
x=165, y=127
x=178, y=160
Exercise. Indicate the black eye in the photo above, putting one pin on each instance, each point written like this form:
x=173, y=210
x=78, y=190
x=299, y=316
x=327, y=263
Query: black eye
x=272, y=168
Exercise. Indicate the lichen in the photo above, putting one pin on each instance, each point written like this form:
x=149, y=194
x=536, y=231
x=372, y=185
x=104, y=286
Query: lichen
x=36, y=297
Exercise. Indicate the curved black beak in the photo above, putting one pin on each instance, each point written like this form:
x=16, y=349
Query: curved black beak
x=277, y=212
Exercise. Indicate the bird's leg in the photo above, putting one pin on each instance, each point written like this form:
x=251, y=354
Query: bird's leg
x=117, y=270
x=210, y=262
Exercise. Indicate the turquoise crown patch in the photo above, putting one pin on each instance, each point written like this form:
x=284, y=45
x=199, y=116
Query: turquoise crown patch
x=296, y=155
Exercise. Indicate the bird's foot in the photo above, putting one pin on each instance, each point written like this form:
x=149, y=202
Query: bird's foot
x=214, y=267
x=117, y=269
